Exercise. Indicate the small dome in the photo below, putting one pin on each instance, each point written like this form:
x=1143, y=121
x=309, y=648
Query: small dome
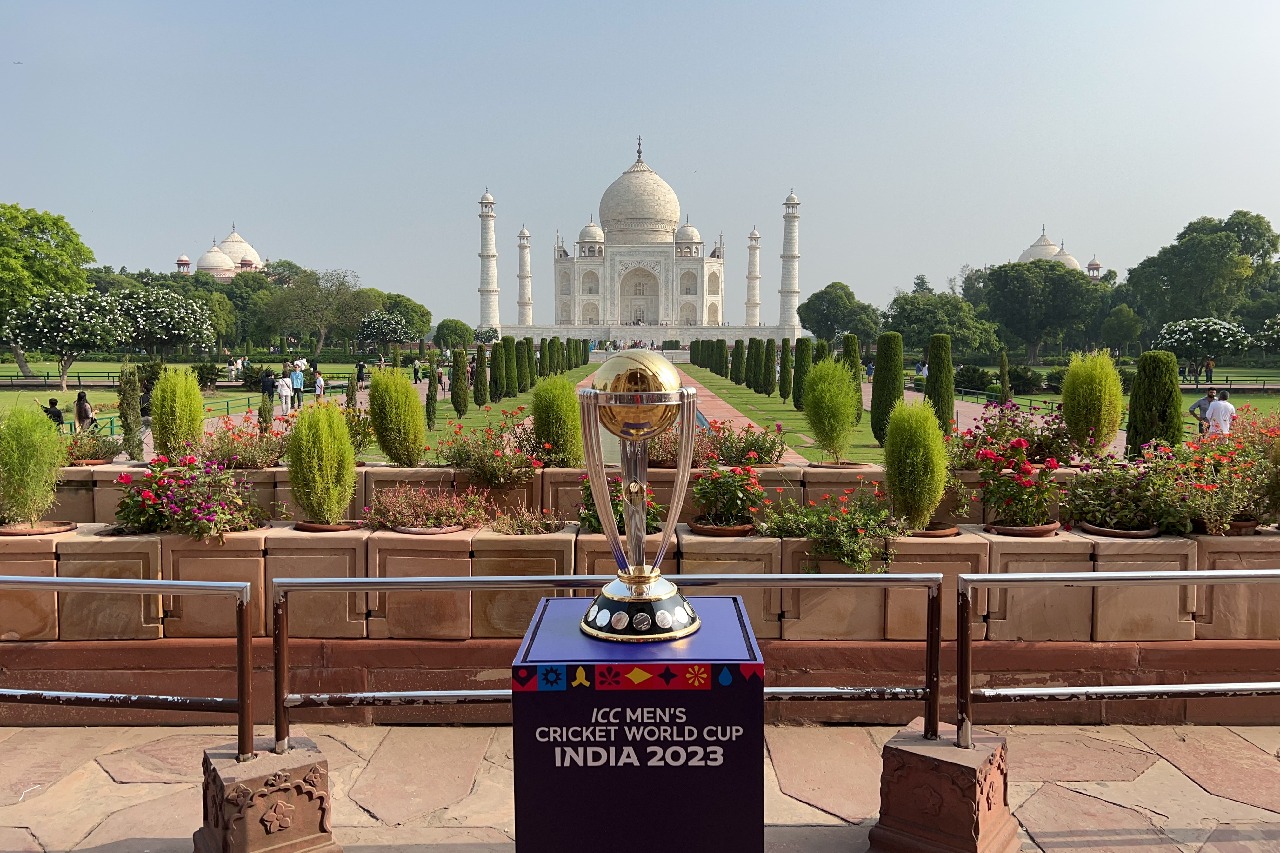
x=524, y=232
x=215, y=260
x=486, y=198
x=688, y=234
x=1042, y=249
x=238, y=249
x=591, y=233
x=754, y=235
x=1093, y=264
x=641, y=203
x=1063, y=257
x=183, y=259
x=791, y=199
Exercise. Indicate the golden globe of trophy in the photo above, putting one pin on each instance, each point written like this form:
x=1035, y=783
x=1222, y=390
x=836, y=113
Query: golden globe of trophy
x=636, y=395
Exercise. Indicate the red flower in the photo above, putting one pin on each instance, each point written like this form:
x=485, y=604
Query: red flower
x=124, y=479
x=1051, y=464
x=1019, y=444
x=163, y=460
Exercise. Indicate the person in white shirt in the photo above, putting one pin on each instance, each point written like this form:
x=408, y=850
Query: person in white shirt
x=319, y=385
x=1220, y=414
x=284, y=387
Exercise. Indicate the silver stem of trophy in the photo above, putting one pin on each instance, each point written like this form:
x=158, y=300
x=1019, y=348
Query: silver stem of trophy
x=635, y=495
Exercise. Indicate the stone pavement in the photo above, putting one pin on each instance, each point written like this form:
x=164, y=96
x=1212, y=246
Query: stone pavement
x=448, y=789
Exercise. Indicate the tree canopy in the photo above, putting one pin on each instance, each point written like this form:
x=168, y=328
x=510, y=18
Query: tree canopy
x=1041, y=300
x=453, y=334
x=922, y=313
x=834, y=310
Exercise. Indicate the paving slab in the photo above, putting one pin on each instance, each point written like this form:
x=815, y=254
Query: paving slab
x=1266, y=738
x=816, y=839
x=162, y=825
x=422, y=839
x=1220, y=761
x=18, y=840
x=1066, y=758
x=833, y=768
x=1111, y=734
x=34, y=759
x=417, y=771
x=337, y=753
x=362, y=740
x=490, y=803
x=1179, y=807
x=171, y=759
x=1244, y=838
x=781, y=810
x=1063, y=821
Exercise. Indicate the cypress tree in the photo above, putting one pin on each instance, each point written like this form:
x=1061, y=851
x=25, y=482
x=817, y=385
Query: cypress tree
x=458, y=382
x=130, y=397
x=940, y=385
x=480, y=385
x=737, y=366
x=522, y=367
x=497, y=372
x=804, y=361
x=530, y=365
x=433, y=391
x=769, y=368
x=1005, y=394
x=755, y=364
x=553, y=366
x=851, y=355
x=693, y=353
x=821, y=350
x=722, y=358
x=1155, y=406
x=886, y=385
x=511, y=373
x=784, y=370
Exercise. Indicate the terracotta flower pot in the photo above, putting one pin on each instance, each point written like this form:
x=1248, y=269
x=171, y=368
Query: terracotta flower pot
x=428, y=531
x=1032, y=532
x=717, y=530
x=1243, y=528
x=82, y=463
x=314, y=527
x=848, y=465
x=40, y=528
x=937, y=530
x=1149, y=533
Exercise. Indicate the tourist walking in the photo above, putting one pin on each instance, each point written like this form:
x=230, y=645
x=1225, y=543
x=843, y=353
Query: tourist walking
x=295, y=379
x=360, y=371
x=84, y=413
x=284, y=387
x=1220, y=415
x=319, y=385
x=1209, y=365
x=268, y=385
x=417, y=371
x=1200, y=409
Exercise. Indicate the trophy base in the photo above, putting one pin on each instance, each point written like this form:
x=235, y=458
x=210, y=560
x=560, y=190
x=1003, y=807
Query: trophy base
x=640, y=613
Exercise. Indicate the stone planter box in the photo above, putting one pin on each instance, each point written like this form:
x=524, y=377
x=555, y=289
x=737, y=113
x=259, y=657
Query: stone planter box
x=29, y=614
x=507, y=613
x=562, y=491
x=593, y=556
x=238, y=558
x=528, y=495
x=291, y=554
x=1048, y=613
x=288, y=509
x=106, y=493
x=748, y=555
x=108, y=616
x=904, y=609
x=827, y=614
x=789, y=478
x=663, y=482
x=1143, y=612
x=833, y=481
x=386, y=477
x=971, y=513
x=74, y=501
x=420, y=615
x=1236, y=611
x=263, y=481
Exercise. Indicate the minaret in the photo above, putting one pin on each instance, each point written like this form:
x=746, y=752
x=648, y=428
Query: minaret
x=488, y=266
x=789, y=293
x=525, y=278
x=753, y=278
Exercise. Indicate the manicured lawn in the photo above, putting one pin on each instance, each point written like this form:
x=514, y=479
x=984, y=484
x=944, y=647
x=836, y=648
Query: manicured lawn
x=766, y=411
x=476, y=415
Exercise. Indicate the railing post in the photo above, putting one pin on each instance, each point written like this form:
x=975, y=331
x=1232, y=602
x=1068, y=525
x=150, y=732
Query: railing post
x=280, y=645
x=964, y=667
x=244, y=680
x=933, y=662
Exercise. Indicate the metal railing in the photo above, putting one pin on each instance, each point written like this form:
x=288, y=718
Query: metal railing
x=241, y=706
x=285, y=701
x=967, y=696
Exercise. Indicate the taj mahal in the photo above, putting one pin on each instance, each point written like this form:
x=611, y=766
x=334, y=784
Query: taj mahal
x=639, y=273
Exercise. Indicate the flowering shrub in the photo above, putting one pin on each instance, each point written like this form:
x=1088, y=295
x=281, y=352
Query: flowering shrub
x=164, y=320
x=490, y=452
x=522, y=521
x=1224, y=479
x=1044, y=432
x=94, y=445
x=239, y=443
x=68, y=325
x=1201, y=336
x=1015, y=493
x=665, y=448
x=1133, y=496
x=590, y=519
x=418, y=507
x=747, y=445
x=853, y=527
x=200, y=500
x=727, y=496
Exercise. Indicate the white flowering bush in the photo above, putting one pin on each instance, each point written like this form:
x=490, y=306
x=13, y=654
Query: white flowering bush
x=68, y=325
x=383, y=327
x=1202, y=336
x=163, y=320
x=1268, y=337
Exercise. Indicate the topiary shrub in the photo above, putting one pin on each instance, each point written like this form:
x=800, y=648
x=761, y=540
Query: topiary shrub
x=544, y=349
x=886, y=385
x=497, y=372
x=433, y=391
x=972, y=378
x=830, y=405
x=266, y=414
x=821, y=350
x=1092, y=398
x=177, y=412
x=940, y=385
x=1155, y=407
x=1126, y=379
x=31, y=452
x=804, y=363
x=769, y=368
x=322, y=463
x=755, y=364
x=396, y=412
x=458, y=383
x=129, y=395
x=1024, y=380
x=722, y=358
x=737, y=363
x=522, y=367
x=851, y=356
x=480, y=378
x=510, y=374
x=915, y=462
x=556, y=421
x=995, y=393
x=784, y=370
x=1053, y=380
x=1005, y=389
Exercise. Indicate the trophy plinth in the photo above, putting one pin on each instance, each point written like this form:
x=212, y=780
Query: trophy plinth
x=636, y=395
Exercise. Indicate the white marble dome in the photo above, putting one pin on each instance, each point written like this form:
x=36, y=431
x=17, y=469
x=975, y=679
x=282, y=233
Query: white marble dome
x=215, y=260
x=591, y=233
x=486, y=198
x=1064, y=257
x=183, y=259
x=238, y=249
x=688, y=234
x=1042, y=249
x=754, y=235
x=639, y=207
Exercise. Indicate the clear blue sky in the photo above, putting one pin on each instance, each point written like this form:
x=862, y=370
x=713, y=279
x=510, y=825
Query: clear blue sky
x=919, y=137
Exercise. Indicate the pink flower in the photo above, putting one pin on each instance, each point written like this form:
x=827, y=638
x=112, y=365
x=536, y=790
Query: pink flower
x=163, y=460
x=1051, y=464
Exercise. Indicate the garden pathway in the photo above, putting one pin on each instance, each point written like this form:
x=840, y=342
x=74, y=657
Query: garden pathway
x=1073, y=789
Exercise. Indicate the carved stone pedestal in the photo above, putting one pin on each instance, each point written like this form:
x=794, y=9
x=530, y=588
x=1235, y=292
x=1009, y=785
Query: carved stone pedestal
x=270, y=804
x=937, y=798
